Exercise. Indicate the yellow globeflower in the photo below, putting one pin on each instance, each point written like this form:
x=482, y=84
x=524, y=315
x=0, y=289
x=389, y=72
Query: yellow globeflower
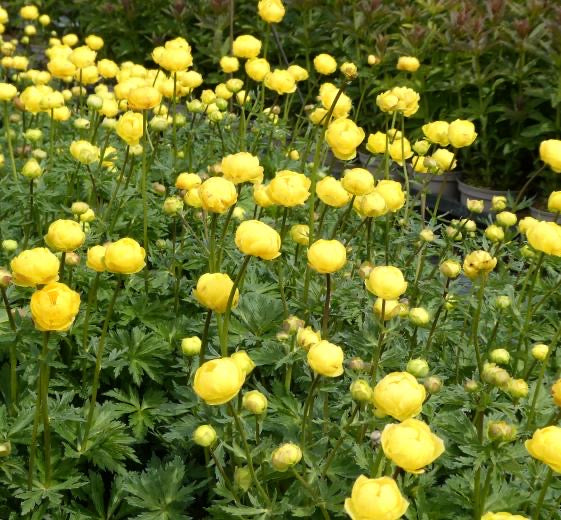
x=545, y=445
x=29, y=12
x=242, y=167
x=286, y=456
x=256, y=238
x=375, y=499
x=281, y=81
x=371, y=205
x=300, y=233
x=257, y=68
x=306, y=337
x=246, y=46
x=327, y=256
x=261, y=195
x=343, y=137
x=84, y=152
x=376, y=143
x=213, y=291
x=545, y=237
x=503, y=516
x=331, y=192
x=94, y=42
x=479, y=263
x=461, y=133
x=7, y=91
x=437, y=132
x=554, y=202
x=408, y=63
x=550, y=154
x=33, y=267
x=326, y=359
x=444, y=159
x=556, y=392
x=386, y=282
x=95, y=257
x=229, y=64
x=289, y=188
x=358, y=181
x=218, y=381
x=65, y=235
x=82, y=57
x=144, y=98
x=217, y=194
x=54, y=307
x=187, y=181
x=125, y=256
x=411, y=445
x=399, y=395
x=325, y=64
x=327, y=94
x=272, y=11
x=130, y=128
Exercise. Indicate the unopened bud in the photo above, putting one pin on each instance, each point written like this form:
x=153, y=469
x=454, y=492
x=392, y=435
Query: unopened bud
x=204, y=435
x=82, y=123
x=475, y=206
x=94, y=102
x=365, y=269
x=433, y=384
x=419, y=316
x=357, y=364
x=286, y=456
x=450, y=268
x=427, y=235
x=517, y=388
x=242, y=478
x=9, y=245
x=5, y=449
x=418, y=367
x=292, y=324
x=361, y=391
x=72, y=259
x=158, y=188
x=500, y=356
x=161, y=243
x=173, y=205
x=5, y=278
x=471, y=386
x=254, y=402
x=191, y=346
x=502, y=302
x=501, y=431
x=540, y=352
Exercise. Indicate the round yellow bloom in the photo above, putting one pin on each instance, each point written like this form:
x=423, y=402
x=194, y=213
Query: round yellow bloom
x=550, y=154
x=331, y=192
x=286, y=456
x=444, y=159
x=300, y=233
x=229, y=64
x=130, y=128
x=192, y=198
x=326, y=359
x=554, y=202
x=545, y=237
x=450, y=268
x=107, y=68
x=343, y=137
x=556, y=392
x=125, y=256
x=94, y=42
x=392, y=193
x=437, y=132
x=254, y=402
x=494, y=233
x=242, y=167
x=506, y=218
x=70, y=39
x=7, y=91
x=526, y=223
x=298, y=73
x=327, y=256
x=213, y=291
x=281, y=81
x=411, y=445
x=545, y=445
x=54, y=307
x=272, y=11
x=408, y=63
x=204, y=435
x=375, y=499
x=256, y=238
x=246, y=46
x=84, y=152
x=29, y=12
x=37, y=266
x=306, y=337
x=371, y=205
x=257, y=68
x=217, y=194
x=175, y=59
x=187, y=181
x=461, y=133
x=95, y=257
x=144, y=98
x=261, y=195
x=65, y=235
x=218, y=381
x=400, y=149
x=399, y=395
x=289, y=188
x=327, y=94
x=386, y=282
x=243, y=361
x=82, y=57
x=479, y=263
x=61, y=67
x=325, y=64
x=503, y=516
x=376, y=142
x=358, y=181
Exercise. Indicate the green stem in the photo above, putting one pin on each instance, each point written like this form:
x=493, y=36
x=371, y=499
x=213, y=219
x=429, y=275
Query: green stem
x=475, y=326
x=378, y=355
x=92, y=294
x=307, y=407
x=436, y=317
x=145, y=191
x=313, y=494
x=342, y=218
x=546, y=483
x=288, y=376
x=204, y=339
x=7, y=131
x=325, y=318
x=339, y=442
x=13, y=355
x=44, y=376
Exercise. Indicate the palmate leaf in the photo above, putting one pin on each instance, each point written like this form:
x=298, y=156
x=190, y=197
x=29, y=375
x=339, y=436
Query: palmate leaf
x=159, y=491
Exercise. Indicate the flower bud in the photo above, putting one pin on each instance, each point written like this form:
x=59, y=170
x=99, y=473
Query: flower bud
x=242, y=478
x=158, y=189
x=427, y=235
x=87, y=216
x=502, y=302
x=471, y=386
x=495, y=233
x=494, y=375
x=173, y=205
x=109, y=123
x=31, y=169
x=292, y=324
x=5, y=449
x=498, y=203
x=433, y=384
x=500, y=356
x=161, y=243
x=159, y=123
x=204, y=435
x=349, y=70
x=418, y=367
x=33, y=134
x=94, y=101
x=501, y=431
x=373, y=60
x=517, y=388
x=506, y=219
x=9, y=245
x=82, y=123
x=72, y=259
x=39, y=154
x=365, y=269
x=286, y=456
x=450, y=301
x=475, y=206
x=238, y=213
x=540, y=352
x=282, y=336
x=5, y=278
x=191, y=346
x=357, y=364
x=195, y=106
x=361, y=391
x=450, y=268
x=419, y=316
x=254, y=402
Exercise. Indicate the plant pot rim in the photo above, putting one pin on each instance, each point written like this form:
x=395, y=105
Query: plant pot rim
x=463, y=184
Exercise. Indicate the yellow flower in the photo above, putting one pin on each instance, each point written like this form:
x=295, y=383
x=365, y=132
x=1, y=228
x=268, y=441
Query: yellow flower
x=556, y=392
x=373, y=59
x=408, y=63
x=411, y=445
x=261, y=195
x=94, y=42
x=246, y=46
x=29, y=12
x=526, y=223
x=31, y=169
x=286, y=456
x=243, y=361
x=242, y=167
x=298, y=73
x=327, y=94
x=495, y=233
x=95, y=257
x=175, y=59
x=503, y=516
x=399, y=395
x=61, y=67
x=144, y=98
x=401, y=99
x=391, y=308
x=65, y=235
x=554, y=202
x=82, y=57
x=7, y=91
x=545, y=237
x=129, y=128
x=37, y=266
x=550, y=154
x=289, y=188
x=325, y=64
x=204, y=435
x=54, y=307
x=300, y=233
x=371, y=205
x=461, y=133
x=84, y=152
x=343, y=137
x=386, y=282
x=218, y=381
x=545, y=445
x=257, y=68
x=192, y=198
x=107, y=68
x=450, y=268
x=125, y=256
x=213, y=291
x=479, y=263
x=327, y=256
x=400, y=149
x=392, y=193
x=376, y=143
x=229, y=64
x=217, y=194
x=331, y=192
x=281, y=81
x=187, y=181
x=256, y=238
x=306, y=337
x=349, y=70
x=358, y=181
x=444, y=159
x=506, y=218
x=326, y=359
x=437, y=132
x=272, y=11
x=375, y=499
x=254, y=402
